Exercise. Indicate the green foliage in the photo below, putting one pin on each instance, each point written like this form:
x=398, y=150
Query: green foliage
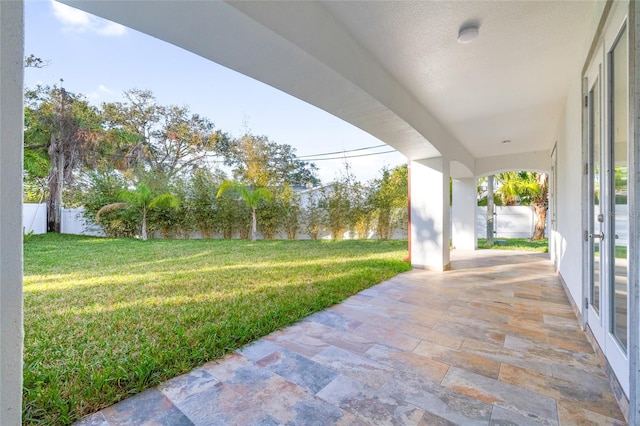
x=104, y=189
x=291, y=211
x=390, y=200
x=142, y=200
x=522, y=244
x=259, y=162
x=252, y=197
x=336, y=200
x=61, y=131
x=106, y=318
x=168, y=140
x=314, y=215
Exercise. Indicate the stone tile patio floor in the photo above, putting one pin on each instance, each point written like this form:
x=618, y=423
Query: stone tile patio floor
x=493, y=341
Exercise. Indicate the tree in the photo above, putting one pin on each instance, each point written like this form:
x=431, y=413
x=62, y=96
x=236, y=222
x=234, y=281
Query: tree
x=313, y=214
x=169, y=140
x=291, y=211
x=390, y=200
x=259, y=162
x=336, y=200
x=253, y=198
x=142, y=200
x=526, y=188
x=64, y=129
x=362, y=209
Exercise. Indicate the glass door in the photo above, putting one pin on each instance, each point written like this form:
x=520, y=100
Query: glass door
x=618, y=166
x=607, y=221
x=595, y=229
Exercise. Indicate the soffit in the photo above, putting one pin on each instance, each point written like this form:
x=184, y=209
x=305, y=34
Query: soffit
x=395, y=69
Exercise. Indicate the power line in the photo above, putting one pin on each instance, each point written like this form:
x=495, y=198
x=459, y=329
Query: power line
x=351, y=156
x=340, y=152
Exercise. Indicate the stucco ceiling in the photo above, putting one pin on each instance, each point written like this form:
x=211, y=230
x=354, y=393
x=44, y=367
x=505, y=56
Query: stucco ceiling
x=396, y=69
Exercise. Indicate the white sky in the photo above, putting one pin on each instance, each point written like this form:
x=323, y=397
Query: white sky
x=101, y=60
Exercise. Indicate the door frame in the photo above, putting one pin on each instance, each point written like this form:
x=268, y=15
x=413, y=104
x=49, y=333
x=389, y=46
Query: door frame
x=618, y=363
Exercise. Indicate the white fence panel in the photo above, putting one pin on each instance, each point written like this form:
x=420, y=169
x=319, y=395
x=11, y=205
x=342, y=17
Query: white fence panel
x=34, y=218
x=509, y=222
x=73, y=222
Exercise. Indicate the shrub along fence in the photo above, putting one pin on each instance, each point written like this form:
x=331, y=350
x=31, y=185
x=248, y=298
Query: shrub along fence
x=510, y=222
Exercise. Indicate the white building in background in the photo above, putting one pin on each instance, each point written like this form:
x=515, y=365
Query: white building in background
x=546, y=86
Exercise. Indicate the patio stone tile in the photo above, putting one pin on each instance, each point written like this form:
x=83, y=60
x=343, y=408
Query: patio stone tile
x=301, y=338
x=316, y=412
x=467, y=360
x=350, y=341
x=298, y=369
x=364, y=370
x=288, y=403
x=431, y=335
x=148, y=407
x=551, y=386
x=334, y=320
x=513, y=398
x=429, y=419
x=464, y=310
x=509, y=356
x=365, y=403
x=473, y=332
x=574, y=413
x=235, y=368
x=502, y=417
x=259, y=349
x=594, y=395
x=436, y=399
x=388, y=337
x=181, y=387
x=95, y=419
x=553, y=354
x=409, y=362
x=368, y=315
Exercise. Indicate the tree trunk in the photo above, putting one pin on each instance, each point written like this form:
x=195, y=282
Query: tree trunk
x=56, y=185
x=253, y=224
x=144, y=225
x=540, y=220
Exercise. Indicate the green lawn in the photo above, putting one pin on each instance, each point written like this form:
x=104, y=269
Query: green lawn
x=107, y=318
x=523, y=244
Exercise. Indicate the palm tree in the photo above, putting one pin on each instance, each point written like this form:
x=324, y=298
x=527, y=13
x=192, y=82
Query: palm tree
x=526, y=188
x=251, y=197
x=142, y=200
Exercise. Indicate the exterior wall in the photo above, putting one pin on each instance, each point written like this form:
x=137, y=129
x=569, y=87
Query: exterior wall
x=566, y=240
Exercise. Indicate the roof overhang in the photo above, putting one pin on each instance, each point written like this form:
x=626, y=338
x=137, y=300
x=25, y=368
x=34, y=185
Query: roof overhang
x=395, y=69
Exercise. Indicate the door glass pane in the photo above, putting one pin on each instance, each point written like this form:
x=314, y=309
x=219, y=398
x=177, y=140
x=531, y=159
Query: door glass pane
x=619, y=141
x=596, y=222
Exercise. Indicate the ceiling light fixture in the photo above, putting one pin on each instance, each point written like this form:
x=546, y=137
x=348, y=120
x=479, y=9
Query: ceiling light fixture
x=468, y=34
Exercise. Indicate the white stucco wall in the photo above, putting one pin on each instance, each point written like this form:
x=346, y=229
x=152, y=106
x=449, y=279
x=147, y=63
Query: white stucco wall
x=566, y=240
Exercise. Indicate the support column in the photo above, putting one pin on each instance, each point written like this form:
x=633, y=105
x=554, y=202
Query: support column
x=430, y=214
x=11, y=123
x=464, y=210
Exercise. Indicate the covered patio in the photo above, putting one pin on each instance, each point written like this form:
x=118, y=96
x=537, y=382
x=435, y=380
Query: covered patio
x=492, y=341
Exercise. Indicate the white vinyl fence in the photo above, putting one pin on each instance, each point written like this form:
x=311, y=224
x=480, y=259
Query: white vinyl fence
x=73, y=222
x=34, y=218
x=509, y=222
